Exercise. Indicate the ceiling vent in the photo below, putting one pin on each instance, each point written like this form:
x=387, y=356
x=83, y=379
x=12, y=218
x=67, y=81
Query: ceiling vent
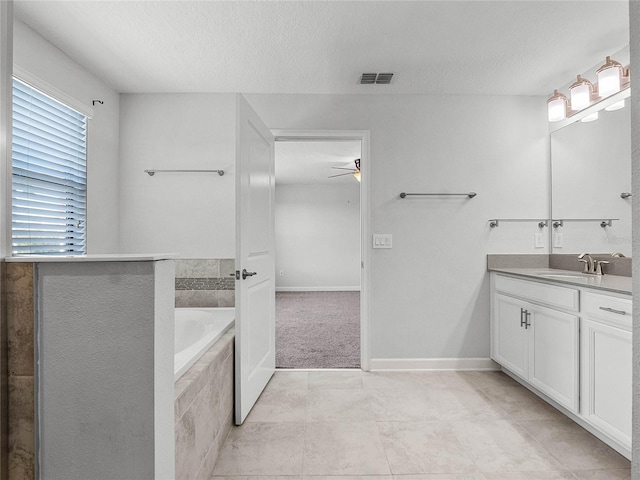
x=377, y=78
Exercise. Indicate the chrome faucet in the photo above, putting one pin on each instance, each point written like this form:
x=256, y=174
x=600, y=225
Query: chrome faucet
x=599, y=264
x=589, y=263
x=591, y=266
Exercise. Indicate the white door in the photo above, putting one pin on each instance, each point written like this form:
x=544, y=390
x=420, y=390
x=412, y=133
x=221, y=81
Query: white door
x=255, y=259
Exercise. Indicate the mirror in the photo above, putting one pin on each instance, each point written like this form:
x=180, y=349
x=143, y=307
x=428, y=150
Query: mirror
x=590, y=173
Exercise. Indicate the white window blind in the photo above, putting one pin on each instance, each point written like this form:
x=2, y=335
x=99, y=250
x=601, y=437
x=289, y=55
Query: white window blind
x=49, y=175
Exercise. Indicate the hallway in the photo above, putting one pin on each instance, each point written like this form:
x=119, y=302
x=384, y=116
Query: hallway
x=447, y=425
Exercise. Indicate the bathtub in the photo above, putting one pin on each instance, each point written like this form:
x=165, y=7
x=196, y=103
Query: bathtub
x=197, y=329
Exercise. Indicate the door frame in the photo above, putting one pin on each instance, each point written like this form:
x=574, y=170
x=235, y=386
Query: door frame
x=365, y=216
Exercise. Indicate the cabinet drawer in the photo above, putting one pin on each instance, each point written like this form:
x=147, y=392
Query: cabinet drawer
x=552, y=295
x=614, y=309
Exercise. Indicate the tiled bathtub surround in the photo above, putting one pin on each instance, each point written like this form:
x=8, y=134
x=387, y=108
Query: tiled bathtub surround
x=205, y=282
x=204, y=410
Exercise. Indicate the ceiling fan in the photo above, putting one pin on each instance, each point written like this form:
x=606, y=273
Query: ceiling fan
x=351, y=171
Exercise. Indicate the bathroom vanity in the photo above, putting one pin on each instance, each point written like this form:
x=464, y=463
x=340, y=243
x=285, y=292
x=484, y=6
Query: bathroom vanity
x=567, y=337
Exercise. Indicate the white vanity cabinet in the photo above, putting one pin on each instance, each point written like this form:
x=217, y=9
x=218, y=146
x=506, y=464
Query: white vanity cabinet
x=606, y=365
x=573, y=345
x=536, y=342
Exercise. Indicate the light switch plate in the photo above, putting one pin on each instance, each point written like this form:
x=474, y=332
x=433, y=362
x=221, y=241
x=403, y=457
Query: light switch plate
x=538, y=240
x=382, y=240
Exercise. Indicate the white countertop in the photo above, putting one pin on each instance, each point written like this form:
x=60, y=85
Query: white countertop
x=105, y=257
x=610, y=283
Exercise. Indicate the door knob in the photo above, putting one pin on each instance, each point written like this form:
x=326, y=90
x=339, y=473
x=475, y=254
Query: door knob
x=246, y=274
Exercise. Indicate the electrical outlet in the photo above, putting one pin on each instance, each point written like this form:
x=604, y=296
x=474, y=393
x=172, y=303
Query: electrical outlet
x=282, y=273
x=557, y=240
x=538, y=240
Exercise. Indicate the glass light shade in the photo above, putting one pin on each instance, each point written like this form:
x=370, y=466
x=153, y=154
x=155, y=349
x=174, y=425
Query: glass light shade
x=580, y=94
x=615, y=106
x=609, y=81
x=357, y=175
x=557, y=107
x=609, y=78
x=590, y=118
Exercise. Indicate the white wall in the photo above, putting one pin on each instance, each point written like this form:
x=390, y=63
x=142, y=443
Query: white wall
x=6, y=72
x=105, y=397
x=40, y=58
x=191, y=214
x=318, y=237
x=430, y=293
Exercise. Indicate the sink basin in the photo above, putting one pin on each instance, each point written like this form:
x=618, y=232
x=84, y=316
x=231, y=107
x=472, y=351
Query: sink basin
x=563, y=275
x=576, y=277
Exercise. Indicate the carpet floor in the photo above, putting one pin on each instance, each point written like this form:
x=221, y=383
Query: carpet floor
x=318, y=329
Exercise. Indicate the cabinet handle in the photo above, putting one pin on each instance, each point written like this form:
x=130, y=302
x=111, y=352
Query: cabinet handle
x=523, y=321
x=612, y=310
x=527, y=324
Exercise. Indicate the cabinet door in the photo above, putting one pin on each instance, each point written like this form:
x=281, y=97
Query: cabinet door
x=554, y=355
x=509, y=336
x=606, y=379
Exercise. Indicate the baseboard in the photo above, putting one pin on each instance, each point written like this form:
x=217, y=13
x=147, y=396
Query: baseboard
x=433, y=364
x=317, y=289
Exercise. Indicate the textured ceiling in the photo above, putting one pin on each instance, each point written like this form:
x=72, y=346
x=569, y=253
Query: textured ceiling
x=433, y=47
x=311, y=162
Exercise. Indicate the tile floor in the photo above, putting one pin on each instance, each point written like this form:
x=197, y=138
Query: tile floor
x=423, y=425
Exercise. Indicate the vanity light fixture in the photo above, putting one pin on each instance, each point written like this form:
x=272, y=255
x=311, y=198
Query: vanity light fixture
x=581, y=91
x=557, y=107
x=609, y=77
x=612, y=78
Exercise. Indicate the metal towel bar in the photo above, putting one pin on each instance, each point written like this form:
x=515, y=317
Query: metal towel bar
x=603, y=223
x=470, y=194
x=151, y=173
x=496, y=221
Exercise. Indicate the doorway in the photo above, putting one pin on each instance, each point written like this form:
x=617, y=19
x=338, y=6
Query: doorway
x=319, y=217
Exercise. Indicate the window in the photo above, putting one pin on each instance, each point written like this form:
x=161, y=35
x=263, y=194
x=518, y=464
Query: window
x=49, y=181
